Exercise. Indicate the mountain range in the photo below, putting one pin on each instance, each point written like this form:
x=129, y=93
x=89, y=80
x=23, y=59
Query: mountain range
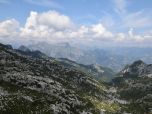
x=43, y=85
x=87, y=56
x=98, y=72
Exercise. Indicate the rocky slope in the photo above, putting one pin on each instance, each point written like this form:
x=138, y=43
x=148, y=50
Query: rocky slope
x=134, y=84
x=40, y=86
x=43, y=86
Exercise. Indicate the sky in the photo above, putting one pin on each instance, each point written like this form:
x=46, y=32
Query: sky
x=122, y=23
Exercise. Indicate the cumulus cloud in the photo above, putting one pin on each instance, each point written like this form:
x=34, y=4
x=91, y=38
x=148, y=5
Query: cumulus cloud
x=46, y=24
x=55, y=20
x=8, y=28
x=53, y=26
x=83, y=29
x=101, y=31
x=129, y=38
x=120, y=37
x=130, y=32
x=137, y=38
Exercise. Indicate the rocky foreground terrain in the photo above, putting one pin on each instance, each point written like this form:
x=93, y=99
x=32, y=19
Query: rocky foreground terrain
x=31, y=85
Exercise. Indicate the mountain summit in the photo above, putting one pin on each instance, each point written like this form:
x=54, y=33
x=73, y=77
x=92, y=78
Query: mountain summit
x=23, y=48
x=137, y=68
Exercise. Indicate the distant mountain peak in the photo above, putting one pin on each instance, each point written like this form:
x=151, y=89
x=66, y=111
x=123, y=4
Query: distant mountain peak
x=23, y=48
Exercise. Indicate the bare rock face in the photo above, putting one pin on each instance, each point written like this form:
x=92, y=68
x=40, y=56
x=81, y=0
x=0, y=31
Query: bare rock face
x=97, y=68
x=148, y=69
x=137, y=68
x=23, y=48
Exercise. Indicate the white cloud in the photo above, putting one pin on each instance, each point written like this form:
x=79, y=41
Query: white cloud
x=8, y=28
x=44, y=3
x=137, y=38
x=120, y=37
x=147, y=39
x=82, y=30
x=46, y=24
x=130, y=38
x=130, y=32
x=120, y=6
x=132, y=19
x=137, y=19
x=53, y=26
x=55, y=20
x=100, y=31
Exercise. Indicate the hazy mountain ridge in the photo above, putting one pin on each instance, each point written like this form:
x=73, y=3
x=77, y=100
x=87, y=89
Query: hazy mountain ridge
x=61, y=50
x=102, y=58
x=92, y=56
x=135, y=51
x=98, y=72
x=139, y=53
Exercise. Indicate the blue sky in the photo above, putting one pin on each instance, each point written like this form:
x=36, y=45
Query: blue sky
x=97, y=23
